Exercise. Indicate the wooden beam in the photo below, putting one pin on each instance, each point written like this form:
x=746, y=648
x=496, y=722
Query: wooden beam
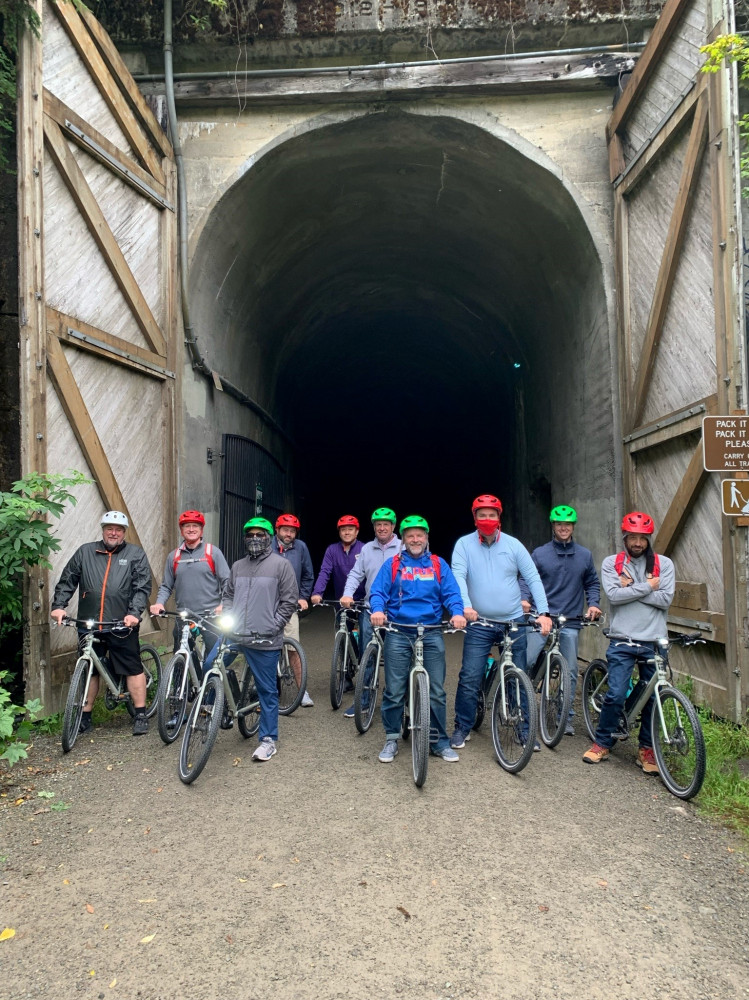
x=617, y=163
x=588, y=71
x=682, y=503
x=61, y=113
x=646, y=64
x=108, y=88
x=121, y=73
x=102, y=234
x=671, y=425
x=669, y=261
x=123, y=352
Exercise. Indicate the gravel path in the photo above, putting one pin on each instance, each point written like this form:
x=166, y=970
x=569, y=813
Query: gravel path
x=325, y=874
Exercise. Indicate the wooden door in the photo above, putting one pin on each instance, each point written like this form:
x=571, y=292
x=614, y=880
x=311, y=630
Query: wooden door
x=98, y=266
x=672, y=146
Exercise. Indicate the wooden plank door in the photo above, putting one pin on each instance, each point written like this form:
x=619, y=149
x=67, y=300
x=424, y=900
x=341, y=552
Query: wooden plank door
x=673, y=149
x=98, y=347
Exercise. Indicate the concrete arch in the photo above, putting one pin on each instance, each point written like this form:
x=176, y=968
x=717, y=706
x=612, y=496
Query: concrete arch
x=419, y=288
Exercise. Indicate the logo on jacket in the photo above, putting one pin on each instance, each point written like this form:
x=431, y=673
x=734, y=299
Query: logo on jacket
x=416, y=573
x=123, y=562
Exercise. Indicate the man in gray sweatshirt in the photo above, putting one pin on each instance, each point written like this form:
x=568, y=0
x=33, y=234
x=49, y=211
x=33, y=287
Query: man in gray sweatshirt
x=640, y=587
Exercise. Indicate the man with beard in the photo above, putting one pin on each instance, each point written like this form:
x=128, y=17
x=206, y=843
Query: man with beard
x=261, y=596
x=411, y=589
x=640, y=587
x=287, y=544
x=114, y=581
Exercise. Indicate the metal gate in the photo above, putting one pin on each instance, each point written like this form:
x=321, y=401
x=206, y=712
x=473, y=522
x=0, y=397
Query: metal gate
x=252, y=483
x=673, y=149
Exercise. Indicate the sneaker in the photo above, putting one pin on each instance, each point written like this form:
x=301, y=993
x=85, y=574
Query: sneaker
x=537, y=747
x=569, y=729
x=646, y=760
x=349, y=713
x=446, y=753
x=265, y=749
x=86, y=723
x=596, y=754
x=459, y=739
x=307, y=702
x=389, y=752
x=140, y=725
x=226, y=720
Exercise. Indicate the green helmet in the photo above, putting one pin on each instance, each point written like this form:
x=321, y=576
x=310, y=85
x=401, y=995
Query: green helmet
x=258, y=522
x=413, y=521
x=564, y=513
x=384, y=514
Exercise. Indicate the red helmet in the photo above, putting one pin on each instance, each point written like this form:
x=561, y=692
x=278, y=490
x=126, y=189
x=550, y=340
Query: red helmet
x=487, y=500
x=287, y=521
x=637, y=523
x=191, y=517
x=347, y=521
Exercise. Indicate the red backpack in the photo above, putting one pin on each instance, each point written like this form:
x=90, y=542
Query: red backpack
x=622, y=557
x=208, y=559
x=435, y=565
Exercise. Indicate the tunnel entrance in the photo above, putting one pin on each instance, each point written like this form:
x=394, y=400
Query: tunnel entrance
x=422, y=307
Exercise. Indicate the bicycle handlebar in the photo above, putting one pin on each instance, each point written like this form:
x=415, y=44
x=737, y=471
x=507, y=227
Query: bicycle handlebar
x=90, y=625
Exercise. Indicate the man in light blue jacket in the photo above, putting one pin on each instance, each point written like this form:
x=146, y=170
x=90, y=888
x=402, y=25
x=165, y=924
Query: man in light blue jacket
x=486, y=565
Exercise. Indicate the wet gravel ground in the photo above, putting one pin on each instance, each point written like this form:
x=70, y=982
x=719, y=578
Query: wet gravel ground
x=324, y=874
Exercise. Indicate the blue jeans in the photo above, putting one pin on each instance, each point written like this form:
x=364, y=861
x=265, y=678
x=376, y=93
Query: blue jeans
x=477, y=645
x=621, y=662
x=264, y=666
x=398, y=652
x=568, y=640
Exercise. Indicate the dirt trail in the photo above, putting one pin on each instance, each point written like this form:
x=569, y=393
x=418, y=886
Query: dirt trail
x=325, y=874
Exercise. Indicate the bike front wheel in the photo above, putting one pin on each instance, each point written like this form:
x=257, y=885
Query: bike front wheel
x=595, y=686
x=420, y=728
x=514, y=720
x=367, y=687
x=173, y=699
x=201, y=730
x=556, y=693
x=290, y=693
x=74, y=704
x=338, y=671
x=680, y=747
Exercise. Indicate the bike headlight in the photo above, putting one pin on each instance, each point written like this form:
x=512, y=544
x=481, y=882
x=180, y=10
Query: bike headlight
x=90, y=623
x=227, y=622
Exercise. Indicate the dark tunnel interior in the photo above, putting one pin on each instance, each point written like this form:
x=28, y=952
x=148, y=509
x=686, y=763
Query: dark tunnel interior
x=421, y=307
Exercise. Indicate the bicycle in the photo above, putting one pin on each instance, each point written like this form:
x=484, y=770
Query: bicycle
x=219, y=688
x=367, y=685
x=177, y=682
x=116, y=692
x=514, y=718
x=345, y=661
x=678, y=741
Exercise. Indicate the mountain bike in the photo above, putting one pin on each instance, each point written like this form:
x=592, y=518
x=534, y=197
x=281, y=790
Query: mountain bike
x=182, y=675
x=513, y=713
x=116, y=692
x=678, y=741
x=345, y=661
x=367, y=685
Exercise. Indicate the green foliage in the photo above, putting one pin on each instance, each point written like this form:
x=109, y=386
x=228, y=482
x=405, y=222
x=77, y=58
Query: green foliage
x=201, y=22
x=733, y=49
x=725, y=794
x=15, y=724
x=16, y=16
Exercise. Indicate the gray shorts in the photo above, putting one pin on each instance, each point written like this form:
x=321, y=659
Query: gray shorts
x=292, y=629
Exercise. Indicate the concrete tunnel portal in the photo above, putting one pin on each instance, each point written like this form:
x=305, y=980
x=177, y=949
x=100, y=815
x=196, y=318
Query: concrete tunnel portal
x=422, y=307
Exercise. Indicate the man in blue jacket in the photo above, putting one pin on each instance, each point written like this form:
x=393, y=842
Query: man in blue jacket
x=286, y=544
x=410, y=589
x=570, y=579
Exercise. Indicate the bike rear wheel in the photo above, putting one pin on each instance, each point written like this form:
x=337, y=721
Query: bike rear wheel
x=201, y=730
x=367, y=687
x=680, y=750
x=338, y=671
x=74, y=704
x=249, y=723
x=290, y=693
x=420, y=728
x=172, y=704
x=595, y=686
x=514, y=724
x=151, y=664
x=555, y=700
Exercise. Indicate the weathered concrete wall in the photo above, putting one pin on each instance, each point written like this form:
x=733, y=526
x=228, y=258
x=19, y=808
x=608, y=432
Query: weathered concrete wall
x=10, y=459
x=254, y=32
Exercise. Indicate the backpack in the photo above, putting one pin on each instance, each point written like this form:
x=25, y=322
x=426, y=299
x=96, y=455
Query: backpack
x=435, y=565
x=208, y=558
x=622, y=557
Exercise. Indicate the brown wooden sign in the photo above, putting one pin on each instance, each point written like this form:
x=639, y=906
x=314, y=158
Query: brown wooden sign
x=725, y=443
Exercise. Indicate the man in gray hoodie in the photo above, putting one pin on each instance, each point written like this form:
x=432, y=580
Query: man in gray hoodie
x=640, y=587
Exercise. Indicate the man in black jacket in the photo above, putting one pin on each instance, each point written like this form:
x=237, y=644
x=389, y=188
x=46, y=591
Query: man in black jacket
x=114, y=582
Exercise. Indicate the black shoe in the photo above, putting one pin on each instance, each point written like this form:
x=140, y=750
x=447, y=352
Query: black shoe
x=226, y=720
x=349, y=685
x=140, y=725
x=86, y=723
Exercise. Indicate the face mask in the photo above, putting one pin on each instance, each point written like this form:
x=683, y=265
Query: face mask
x=256, y=545
x=487, y=526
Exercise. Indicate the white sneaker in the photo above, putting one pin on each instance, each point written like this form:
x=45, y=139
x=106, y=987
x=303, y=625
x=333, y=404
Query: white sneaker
x=265, y=749
x=307, y=702
x=389, y=751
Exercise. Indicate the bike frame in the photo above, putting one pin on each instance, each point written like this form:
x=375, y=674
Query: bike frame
x=349, y=650
x=94, y=663
x=659, y=660
x=417, y=667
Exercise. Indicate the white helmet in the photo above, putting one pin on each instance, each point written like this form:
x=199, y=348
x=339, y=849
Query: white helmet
x=115, y=517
